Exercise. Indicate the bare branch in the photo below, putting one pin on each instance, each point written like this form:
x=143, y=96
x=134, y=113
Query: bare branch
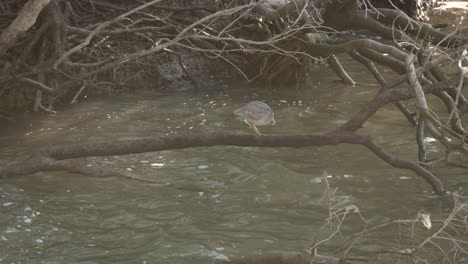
x=38, y=85
x=45, y=159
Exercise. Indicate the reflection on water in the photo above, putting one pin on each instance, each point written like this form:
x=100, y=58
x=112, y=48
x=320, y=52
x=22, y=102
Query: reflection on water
x=221, y=201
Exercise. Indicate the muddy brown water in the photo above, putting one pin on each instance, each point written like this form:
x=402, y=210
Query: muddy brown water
x=233, y=201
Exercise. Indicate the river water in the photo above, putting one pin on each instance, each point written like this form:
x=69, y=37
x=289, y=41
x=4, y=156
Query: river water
x=219, y=201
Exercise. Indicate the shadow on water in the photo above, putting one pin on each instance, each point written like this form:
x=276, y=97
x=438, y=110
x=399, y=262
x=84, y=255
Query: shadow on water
x=232, y=200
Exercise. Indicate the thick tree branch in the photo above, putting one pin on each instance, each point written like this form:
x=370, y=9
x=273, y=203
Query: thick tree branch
x=23, y=22
x=50, y=158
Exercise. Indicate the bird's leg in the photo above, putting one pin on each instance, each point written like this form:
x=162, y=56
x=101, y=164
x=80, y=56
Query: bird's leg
x=253, y=127
x=256, y=130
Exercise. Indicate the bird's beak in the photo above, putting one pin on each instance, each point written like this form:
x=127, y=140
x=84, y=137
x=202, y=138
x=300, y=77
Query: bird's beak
x=274, y=122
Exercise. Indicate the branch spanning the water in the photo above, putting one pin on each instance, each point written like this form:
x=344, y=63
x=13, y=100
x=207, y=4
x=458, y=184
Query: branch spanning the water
x=57, y=157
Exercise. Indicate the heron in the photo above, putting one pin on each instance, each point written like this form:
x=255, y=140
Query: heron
x=255, y=114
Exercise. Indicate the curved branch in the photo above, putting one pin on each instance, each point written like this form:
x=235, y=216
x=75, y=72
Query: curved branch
x=404, y=164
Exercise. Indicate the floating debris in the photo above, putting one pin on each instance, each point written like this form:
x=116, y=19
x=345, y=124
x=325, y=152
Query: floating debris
x=429, y=139
x=426, y=220
x=316, y=180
